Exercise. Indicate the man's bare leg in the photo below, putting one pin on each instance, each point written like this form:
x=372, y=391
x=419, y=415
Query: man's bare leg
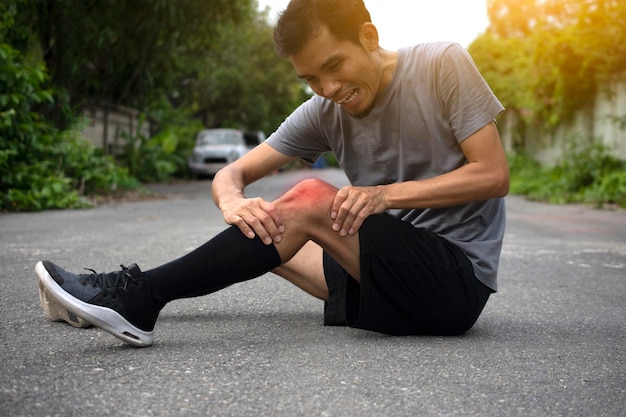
x=305, y=271
x=308, y=228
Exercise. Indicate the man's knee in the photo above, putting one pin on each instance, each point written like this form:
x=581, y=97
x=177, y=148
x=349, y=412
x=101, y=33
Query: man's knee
x=310, y=193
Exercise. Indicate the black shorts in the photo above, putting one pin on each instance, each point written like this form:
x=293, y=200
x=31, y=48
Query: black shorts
x=412, y=282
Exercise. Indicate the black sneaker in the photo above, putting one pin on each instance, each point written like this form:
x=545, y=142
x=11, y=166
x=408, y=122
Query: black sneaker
x=118, y=302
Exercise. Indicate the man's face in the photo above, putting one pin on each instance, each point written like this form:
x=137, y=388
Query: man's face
x=341, y=71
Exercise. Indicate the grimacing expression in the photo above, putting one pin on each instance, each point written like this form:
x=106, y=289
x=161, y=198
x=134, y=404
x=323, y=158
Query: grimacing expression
x=341, y=71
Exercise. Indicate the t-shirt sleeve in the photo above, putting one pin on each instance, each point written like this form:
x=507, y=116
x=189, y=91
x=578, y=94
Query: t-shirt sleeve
x=300, y=135
x=467, y=100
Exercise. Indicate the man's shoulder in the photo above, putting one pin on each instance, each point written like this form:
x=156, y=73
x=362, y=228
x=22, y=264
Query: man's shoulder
x=431, y=49
x=432, y=57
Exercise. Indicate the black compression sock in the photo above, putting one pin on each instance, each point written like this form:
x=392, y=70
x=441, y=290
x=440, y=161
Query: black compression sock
x=228, y=258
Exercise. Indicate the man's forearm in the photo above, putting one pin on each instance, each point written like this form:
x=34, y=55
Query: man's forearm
x=466, y=184
x=227, y=183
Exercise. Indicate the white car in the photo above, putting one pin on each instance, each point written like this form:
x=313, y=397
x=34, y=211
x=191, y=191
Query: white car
x=216, y=148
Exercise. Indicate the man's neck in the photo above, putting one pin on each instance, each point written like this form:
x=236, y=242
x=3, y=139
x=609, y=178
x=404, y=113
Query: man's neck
x=389, y=63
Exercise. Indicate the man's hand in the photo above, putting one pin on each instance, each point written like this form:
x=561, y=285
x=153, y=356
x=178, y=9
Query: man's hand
x=255, y=217
x=352, y=205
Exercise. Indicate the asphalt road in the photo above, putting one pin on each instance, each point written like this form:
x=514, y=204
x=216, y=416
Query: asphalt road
x=550, y=343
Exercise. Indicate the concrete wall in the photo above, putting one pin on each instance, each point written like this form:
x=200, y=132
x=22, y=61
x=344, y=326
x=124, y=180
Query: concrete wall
x=107, y=125
x=597, y=122
x=609, y=106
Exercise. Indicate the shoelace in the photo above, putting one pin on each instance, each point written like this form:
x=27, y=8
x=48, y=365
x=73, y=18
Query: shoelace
x=110, y=280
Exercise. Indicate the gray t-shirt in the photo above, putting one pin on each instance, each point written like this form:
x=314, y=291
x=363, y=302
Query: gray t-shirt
x=435, y=100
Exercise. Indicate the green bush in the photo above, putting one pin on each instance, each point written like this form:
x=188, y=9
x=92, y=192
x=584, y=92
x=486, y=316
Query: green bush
x=526, y=174
x=42, y=167
x=610, y=188
x=34, y=187
x=91, y=172
x=150, y=159
x=587, y=174
x=160, y=157
x=165, y=155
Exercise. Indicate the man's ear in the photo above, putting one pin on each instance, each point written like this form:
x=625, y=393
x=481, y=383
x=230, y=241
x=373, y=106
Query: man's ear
x=368, y=35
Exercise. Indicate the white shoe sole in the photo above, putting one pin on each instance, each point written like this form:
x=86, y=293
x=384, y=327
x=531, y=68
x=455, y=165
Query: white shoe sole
x=105, y=318
x=56, y=312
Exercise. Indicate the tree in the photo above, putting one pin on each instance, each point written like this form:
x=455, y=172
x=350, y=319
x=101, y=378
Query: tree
x=41, y=167
x=176, y=61
x=548, y=58
x=123, y=52
x=242, y=82
x=211, y=58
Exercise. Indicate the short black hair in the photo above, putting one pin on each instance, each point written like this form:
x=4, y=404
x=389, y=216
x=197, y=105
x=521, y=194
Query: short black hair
x=302, y=20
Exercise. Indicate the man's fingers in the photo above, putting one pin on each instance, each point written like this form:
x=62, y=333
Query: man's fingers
x=244, y=228
x=340, y=198
x=257, y=217
x=355, y=217
x=263, y=226
x=277, y=226
x=352, y=205
x=346, y=208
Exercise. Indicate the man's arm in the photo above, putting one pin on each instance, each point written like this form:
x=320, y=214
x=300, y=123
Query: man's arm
x=253, y=216
x=485, y=176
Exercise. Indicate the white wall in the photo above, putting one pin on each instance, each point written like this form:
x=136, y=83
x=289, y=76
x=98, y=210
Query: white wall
x=596, y=122
x=106, y=126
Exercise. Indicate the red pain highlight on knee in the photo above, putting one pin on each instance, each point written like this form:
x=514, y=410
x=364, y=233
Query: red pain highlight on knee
x=313, y=190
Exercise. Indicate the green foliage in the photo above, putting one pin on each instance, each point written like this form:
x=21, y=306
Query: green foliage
x=28, y=181
x=123, y=52
x=92, y=172
x=240, y=82
x=527, y=174
x=42, y=167
x=172, y=145
x=187, y=65
x=214, y=58
x=504, y=64
x=231, y=84
x=152, y=159
x=545, y=59
x=587, y=174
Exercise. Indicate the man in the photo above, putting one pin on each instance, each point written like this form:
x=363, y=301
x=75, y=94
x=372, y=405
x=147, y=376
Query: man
x=410, y=247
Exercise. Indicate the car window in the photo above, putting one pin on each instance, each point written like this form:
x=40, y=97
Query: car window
x=253, y=138
x=220, y=138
